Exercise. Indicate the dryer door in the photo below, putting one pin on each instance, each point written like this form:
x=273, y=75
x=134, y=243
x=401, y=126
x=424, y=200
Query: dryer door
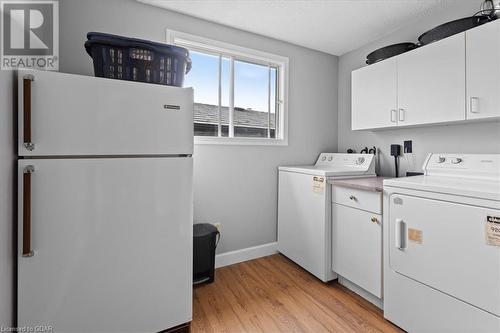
x=445, y=246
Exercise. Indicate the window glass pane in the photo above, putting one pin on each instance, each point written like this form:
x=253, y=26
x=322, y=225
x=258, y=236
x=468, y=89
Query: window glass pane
x=274, y=102
x=256, y=111
x=203, y=77
x=226, y=63
x=250, y=99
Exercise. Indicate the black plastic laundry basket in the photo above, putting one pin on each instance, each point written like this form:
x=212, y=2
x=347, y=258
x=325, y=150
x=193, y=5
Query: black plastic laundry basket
x=118, y=57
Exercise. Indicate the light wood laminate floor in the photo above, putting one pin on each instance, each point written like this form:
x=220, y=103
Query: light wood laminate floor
x=273, y=294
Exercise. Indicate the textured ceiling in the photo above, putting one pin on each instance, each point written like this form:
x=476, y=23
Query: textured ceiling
x=331, y=26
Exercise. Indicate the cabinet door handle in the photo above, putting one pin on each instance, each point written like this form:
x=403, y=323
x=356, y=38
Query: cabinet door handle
x=474, y=105
x=352, y=197
x=400, y=234
x=27, y=251
x=401, y=115
x=394, y=117
x=27, y=140
x=374, y=219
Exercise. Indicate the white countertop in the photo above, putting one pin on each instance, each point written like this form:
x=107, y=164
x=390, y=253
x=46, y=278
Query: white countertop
x=367, y=183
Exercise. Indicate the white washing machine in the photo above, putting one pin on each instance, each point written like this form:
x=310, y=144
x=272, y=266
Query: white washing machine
x=304, y=200
x=442, y=246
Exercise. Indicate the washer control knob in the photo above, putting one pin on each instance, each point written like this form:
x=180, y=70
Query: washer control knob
x=441, y=159
x=323, y=158
x=330, y=158
x=456, y=160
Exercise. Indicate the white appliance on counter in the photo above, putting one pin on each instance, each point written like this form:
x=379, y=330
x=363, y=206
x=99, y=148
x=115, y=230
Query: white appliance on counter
x=442, y=246
x=304, y=208
x=104, y=204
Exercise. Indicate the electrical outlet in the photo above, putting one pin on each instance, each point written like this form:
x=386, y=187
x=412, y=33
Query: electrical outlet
x=408, y=147
x=218, y=226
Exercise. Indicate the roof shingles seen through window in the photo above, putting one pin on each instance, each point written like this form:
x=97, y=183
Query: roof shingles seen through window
x=208, y=114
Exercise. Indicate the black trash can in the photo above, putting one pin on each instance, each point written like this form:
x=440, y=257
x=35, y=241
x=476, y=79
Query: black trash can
x=205, y=240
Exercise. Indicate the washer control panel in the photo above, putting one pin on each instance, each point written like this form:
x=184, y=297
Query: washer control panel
x=440, y=159
x=445, y=160
x=463, y=165
x=337, y=159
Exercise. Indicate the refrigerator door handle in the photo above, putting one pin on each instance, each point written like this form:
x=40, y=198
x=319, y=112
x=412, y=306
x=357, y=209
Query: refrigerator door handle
x=27, y=143
x=27, y=251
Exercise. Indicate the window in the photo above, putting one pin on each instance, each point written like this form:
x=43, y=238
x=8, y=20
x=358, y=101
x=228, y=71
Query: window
x=239, y=93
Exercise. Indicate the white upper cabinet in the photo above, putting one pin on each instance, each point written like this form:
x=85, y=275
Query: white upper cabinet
x=483, y=71
x=374, y=96
x=452, y=80
x=431, y=83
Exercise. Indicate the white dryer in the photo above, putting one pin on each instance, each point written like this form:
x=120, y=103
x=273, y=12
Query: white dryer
x=304, y=200
x=442, y=246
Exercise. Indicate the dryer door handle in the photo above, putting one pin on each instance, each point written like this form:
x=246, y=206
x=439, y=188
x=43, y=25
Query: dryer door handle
x=400, y=234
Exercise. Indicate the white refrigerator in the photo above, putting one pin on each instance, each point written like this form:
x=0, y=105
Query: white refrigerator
x=104, y=204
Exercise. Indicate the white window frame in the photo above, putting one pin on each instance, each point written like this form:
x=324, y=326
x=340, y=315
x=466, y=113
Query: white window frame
x=207, y=45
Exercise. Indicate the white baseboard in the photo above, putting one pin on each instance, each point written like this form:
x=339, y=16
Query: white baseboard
x=234, y=257
x=361, y=292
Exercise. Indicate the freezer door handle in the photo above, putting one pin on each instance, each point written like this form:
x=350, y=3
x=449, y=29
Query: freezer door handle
x=27, y=251
x=27, y=142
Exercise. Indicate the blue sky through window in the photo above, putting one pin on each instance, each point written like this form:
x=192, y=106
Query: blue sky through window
x=251, y=82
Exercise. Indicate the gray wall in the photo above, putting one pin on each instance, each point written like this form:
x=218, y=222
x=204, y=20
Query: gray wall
x=234, y=185
x=464, y=138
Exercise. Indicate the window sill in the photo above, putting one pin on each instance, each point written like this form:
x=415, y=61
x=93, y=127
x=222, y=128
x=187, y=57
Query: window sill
x=201, y=140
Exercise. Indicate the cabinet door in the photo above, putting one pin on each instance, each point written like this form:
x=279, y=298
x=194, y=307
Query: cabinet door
x=374, y=96
x=357, y=247
x=431, y=83
x=483, y=71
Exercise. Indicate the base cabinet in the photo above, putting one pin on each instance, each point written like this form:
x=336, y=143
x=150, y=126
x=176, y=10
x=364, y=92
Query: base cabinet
x=357, y=245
